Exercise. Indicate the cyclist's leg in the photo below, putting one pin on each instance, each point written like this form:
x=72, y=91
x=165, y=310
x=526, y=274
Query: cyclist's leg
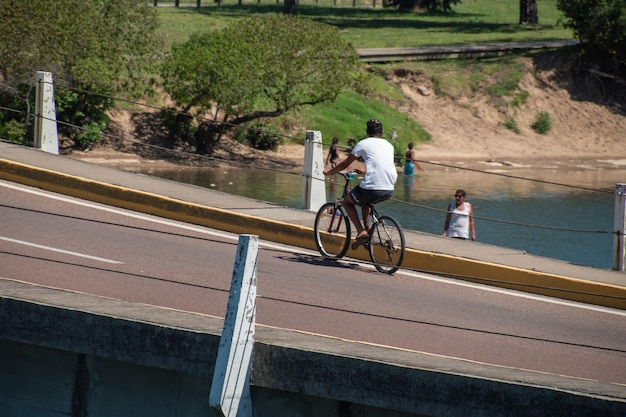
x=365, y=212
x=349, y=206
x=366, y=199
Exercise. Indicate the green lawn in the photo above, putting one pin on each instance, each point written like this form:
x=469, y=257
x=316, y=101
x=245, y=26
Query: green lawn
x=473, y=21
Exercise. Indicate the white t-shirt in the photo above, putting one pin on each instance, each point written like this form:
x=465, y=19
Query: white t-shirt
x=380, y=169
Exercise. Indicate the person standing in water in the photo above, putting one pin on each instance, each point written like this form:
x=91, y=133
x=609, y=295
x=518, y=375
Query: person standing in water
x=410, y=161
x=333, y=153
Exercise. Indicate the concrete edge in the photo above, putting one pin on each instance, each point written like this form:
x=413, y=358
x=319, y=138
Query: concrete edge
x=276, y=231
x=288, y=360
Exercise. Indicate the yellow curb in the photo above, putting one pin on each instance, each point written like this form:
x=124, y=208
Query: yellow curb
x=276, y=231
x=525, y=280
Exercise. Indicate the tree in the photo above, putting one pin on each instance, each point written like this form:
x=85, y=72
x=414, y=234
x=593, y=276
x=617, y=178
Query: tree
x=290, y=7
x=599, y=23
x=257, y=68
x=528, y=13
x=102, y=47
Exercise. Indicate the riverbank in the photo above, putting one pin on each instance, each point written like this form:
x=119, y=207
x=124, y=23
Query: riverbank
x=290, y=158
x=465, y=131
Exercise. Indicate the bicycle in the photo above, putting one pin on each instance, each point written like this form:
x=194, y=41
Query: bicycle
x=386, y=245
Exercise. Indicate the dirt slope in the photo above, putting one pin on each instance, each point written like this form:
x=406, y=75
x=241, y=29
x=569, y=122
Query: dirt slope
x=474, y=128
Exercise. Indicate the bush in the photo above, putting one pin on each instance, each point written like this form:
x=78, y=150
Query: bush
x=14, y=125
x=542, y=123
x=14, y=131
x=519, y=99
x=511, y=124
x=264, y=136
x=88, y=134
x=601, y=24
x=82, y=115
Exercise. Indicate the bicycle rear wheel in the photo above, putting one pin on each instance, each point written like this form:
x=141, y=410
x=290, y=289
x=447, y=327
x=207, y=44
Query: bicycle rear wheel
x=387, y=245
x=332, y=231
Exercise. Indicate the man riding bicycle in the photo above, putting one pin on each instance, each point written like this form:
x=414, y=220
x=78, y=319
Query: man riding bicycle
x=380, y=177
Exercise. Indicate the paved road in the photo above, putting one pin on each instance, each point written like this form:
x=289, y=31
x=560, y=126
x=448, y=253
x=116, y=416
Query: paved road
x=126, y=255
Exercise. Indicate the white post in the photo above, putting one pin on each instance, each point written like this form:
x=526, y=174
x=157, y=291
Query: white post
x=230, y=389
x=46, y=137
x=314, y=186
x=619, y=225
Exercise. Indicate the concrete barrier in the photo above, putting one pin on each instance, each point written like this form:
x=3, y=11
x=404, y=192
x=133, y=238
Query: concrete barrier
x=68, y=353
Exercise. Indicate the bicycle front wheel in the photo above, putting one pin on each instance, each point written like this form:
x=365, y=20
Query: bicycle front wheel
x=332, y=231
x=387, y=245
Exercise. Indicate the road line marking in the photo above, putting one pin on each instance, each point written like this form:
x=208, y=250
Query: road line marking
x=67, y=252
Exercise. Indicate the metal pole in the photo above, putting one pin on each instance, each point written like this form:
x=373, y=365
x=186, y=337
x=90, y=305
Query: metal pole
x=619, y=225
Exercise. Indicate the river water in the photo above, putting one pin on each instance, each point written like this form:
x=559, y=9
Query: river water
x=561, y=222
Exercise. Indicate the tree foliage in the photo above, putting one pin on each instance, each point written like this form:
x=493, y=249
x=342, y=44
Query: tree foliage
x=257, y=68
x=600, y=23
x=98, y=46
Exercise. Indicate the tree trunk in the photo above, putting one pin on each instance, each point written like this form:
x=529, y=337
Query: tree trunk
x=413, y=5
x=528, y=13
x=290, y=7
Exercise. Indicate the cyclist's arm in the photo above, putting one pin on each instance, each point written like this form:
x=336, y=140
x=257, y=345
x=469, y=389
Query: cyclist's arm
x=341, y=165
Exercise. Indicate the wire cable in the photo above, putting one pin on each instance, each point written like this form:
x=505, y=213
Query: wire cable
x=216, y=160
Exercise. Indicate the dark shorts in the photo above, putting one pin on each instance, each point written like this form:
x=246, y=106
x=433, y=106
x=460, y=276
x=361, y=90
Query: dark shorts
x=365, y=197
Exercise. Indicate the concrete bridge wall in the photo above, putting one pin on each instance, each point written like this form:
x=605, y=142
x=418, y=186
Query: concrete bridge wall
x=70, y=354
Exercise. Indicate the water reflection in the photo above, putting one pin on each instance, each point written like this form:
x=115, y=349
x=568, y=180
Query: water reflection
x=503, y=206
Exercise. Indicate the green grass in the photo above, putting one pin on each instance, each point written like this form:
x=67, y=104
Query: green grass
x=345, y=118
x=473, y=21
x=497, y=77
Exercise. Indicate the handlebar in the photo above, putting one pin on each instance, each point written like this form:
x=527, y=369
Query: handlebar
x=348, y=175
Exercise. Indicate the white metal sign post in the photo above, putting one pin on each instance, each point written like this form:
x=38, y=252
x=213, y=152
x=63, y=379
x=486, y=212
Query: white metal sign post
x=230, y=389
x=46, y=136
x=619, y=226
x=313, y=187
